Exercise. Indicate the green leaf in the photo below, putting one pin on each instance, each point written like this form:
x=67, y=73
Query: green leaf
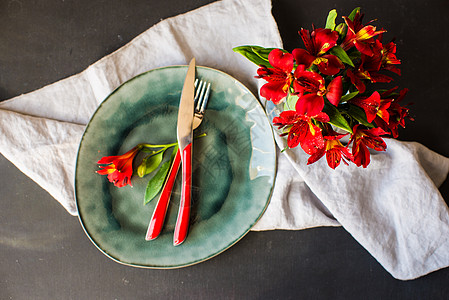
x=157, y=181
x=341, y=54
x=330, y=21
x=262, y=52
x=341, y=28
x=359, y=115
x=336, y=118
x=290, y=102
x=149, y=164
x=256, y=54
x=349, y=96
x=353, y=13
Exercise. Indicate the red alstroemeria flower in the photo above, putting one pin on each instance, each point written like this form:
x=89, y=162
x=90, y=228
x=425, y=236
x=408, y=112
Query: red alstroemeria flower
x=279, y=77
x=356, y=79
x=371, y=65
x=363, y=139
x=334, y=150
x=373, y=106
x=317, y=43
x=389, y=59
x=302, y=129
x=396, y=113
x=360, y=36
x=369, y=68
x=119, y=168
x=311, y=88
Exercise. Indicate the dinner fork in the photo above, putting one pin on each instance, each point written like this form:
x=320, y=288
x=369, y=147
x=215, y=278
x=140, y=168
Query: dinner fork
x=157, y=220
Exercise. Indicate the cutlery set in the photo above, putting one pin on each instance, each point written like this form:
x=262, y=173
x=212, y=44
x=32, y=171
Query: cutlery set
x=194, y=98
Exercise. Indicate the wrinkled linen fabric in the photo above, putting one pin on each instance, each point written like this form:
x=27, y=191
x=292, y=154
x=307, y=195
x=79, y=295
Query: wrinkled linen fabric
x=393, y=208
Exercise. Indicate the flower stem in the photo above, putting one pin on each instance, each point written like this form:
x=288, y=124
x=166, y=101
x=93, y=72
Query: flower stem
x=166, y=146
x=159, y=146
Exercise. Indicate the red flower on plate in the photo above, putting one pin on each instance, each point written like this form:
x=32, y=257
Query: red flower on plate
x=362, y=140
x=119, y=168
x=317, y=43
x=279, y=77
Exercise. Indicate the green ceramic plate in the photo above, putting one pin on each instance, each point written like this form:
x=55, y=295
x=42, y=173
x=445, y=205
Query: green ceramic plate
x=233, y=169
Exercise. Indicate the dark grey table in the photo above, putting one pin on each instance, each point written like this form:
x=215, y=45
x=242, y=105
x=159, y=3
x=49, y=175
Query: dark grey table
x=44, y=253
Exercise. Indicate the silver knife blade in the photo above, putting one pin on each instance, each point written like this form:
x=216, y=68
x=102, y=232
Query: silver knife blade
x=186, y=108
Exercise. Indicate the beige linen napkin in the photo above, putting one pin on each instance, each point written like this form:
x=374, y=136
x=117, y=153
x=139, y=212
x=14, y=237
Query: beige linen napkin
x=393, y=208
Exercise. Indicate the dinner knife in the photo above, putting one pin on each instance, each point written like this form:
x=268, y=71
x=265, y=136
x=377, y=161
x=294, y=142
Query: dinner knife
x=184, y=133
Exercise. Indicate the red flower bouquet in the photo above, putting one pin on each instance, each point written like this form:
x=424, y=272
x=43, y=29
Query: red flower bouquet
x=324, y=90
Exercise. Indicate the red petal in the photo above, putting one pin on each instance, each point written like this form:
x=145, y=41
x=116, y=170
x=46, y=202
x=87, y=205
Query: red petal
x=281, y=60
x=287, y=117
x=324, y=40
x=363, y=47
x=393, y=69
x=316, y=156
x=298, y=88
x=333, y=157
x=334, y=90
x=370, y=105
x=273, y=91
x=377, y=77
x=371, y=63
x=356, y=81
x=308, y=43
x=376, y=132
x=308, y=81
x=310, y=104
x=302, y=57
x=361, y=155
x=383, y=111
x=367, y=33
x=377, y=144
x=332, y=66
x=322, y=117
x=297, y=133
x=351, y=29
x=107, y=160
x=106, y=170
x=313, y=142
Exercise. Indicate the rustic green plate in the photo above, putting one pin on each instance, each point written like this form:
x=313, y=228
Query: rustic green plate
x=233, y=169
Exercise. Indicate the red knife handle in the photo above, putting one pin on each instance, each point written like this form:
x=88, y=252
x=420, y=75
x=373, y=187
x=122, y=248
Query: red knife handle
x=157, y=220
x=182, y=223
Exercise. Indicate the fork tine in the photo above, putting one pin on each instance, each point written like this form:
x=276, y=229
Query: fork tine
x=198, y=88
x=202, y=91
x=205, y=99
x=200, y=96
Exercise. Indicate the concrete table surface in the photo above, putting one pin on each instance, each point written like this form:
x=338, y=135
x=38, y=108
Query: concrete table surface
x=44, y=253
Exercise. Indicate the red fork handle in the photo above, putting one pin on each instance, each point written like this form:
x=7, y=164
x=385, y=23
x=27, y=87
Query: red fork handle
x=182, y=223
x=157, y=220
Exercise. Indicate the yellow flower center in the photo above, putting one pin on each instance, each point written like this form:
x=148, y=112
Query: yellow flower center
x=330, y=144
x=322, y=91
x=319, y=60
